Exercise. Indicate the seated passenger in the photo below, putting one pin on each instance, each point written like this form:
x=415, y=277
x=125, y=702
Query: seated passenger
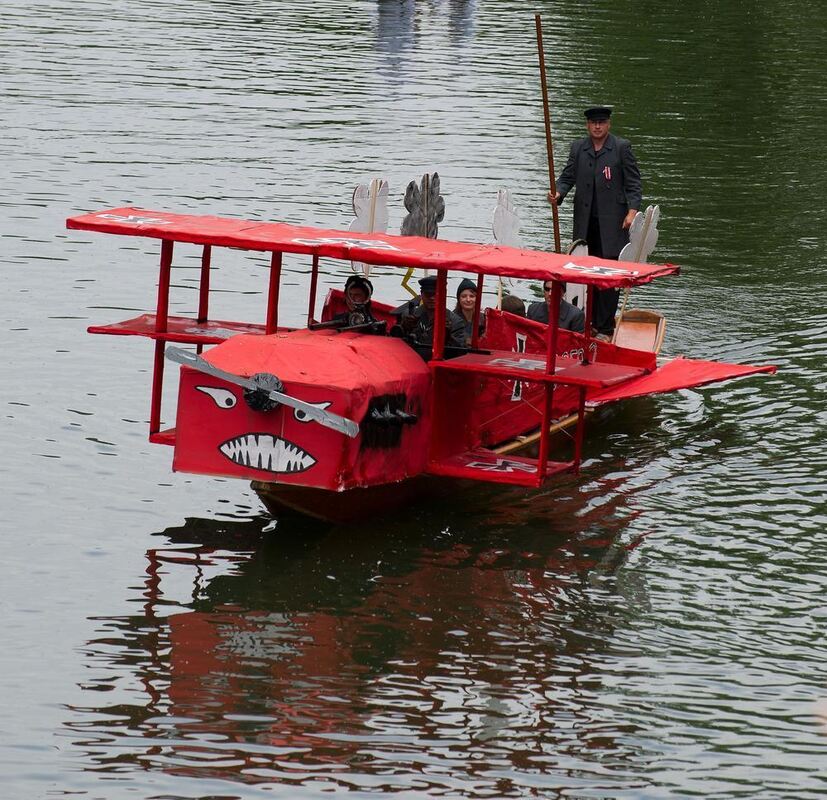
x=416, y=317
x=513, y=305
x=466, y=303
x=571, y=317
x=358, y=291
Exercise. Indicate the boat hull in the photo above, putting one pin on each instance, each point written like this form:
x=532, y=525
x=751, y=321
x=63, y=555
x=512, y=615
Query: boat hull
x=283, y=500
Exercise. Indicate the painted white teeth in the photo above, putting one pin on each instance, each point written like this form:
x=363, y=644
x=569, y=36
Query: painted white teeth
x=265, y=452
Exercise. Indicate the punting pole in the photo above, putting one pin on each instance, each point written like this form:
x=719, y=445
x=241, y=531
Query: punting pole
x=161, y=314
x=272, y=322
x=552, y=181
x=314, y=279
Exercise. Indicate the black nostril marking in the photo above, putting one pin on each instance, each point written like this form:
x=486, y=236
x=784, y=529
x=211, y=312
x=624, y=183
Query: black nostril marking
x=384, y=421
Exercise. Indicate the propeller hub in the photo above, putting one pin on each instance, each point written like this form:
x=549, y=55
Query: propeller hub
x=258, y=398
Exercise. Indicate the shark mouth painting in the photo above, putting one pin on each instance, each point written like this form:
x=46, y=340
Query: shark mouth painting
x=266, y=452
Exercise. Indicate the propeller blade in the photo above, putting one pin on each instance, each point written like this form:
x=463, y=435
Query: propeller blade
x=506, y=222
x=370, y=209
x=330, y=420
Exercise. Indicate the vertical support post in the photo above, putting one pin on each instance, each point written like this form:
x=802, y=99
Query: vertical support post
x=161, y=317
x=157, y=387
x=163, y=287
x=553, y=326
x=314, y=280
x=588, y=330
x=578, y=434
x=542, y=456
x=475, y=330
x=204, y=290
x=438, y=348
x=204, y=285
x=272, y=322
x=551, y=364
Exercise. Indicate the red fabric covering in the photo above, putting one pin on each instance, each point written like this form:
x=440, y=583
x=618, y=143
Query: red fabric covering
x=345, y=361
x=372, y=248
x=680, y=373
x=217, y=433
x=502, y=327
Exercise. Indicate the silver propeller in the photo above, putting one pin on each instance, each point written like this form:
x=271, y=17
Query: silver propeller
x=333, y=421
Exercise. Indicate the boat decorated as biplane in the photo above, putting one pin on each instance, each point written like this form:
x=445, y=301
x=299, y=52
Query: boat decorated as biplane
x=333, y=420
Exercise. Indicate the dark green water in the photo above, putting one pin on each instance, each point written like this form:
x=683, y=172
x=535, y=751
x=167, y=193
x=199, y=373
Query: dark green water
x=653, y=629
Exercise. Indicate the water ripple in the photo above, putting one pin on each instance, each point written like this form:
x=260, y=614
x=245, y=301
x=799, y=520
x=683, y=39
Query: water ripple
x=652, y=628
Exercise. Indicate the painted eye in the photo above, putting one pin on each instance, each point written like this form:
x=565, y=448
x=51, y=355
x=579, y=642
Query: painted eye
x=223, y=398
x=301, y=416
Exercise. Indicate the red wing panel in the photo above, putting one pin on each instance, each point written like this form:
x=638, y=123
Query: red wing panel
x=484, y=465
x=680, y=373
x=180, y=329
x=373, y=248
x=501, y=363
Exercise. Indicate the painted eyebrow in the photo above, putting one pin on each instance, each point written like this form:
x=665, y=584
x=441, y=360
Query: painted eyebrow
x=217, y=394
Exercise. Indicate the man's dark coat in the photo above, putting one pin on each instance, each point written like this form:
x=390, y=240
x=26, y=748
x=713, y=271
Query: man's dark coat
x=615, y=173
x=571, y=317
x=421, y=323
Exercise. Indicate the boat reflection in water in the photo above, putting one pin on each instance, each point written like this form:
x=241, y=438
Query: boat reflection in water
x=462, y=653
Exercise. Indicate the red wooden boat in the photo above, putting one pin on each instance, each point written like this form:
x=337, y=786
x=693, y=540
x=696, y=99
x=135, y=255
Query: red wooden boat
x=338, y=422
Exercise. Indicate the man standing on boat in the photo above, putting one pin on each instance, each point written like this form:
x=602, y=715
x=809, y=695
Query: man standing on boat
x=603, y=171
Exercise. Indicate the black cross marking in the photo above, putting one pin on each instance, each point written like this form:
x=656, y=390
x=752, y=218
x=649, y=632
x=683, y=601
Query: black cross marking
x=517, y=391
x=501, y=465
